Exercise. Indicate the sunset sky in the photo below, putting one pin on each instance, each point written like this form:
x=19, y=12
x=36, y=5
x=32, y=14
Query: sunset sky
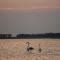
x=29, y=4
x=29, y=16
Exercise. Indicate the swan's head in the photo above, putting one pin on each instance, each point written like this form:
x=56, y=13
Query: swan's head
x=27, y=43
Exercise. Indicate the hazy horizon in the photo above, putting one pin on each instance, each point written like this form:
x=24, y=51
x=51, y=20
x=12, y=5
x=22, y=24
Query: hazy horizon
x=29, y=22
x=29, y=16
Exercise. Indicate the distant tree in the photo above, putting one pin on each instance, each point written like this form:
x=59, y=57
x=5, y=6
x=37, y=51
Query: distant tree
x=4, y=36
x=19, y=35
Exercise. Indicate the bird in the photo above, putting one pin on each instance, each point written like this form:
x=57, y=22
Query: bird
x=29, y=49
x=39, y=49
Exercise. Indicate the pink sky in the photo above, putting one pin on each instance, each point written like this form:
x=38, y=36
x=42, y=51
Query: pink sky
x=28, y=4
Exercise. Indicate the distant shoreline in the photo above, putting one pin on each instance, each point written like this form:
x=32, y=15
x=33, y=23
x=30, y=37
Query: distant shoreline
x=31, y=36
x=32, y=39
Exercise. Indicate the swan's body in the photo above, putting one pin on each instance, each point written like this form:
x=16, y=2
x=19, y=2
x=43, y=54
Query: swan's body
x=29, y=48
x=39, y=49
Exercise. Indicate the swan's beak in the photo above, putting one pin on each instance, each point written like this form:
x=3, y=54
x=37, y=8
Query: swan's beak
x=27, y=42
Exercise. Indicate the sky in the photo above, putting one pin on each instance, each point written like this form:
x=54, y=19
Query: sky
x=29, y=16
x=29, y=4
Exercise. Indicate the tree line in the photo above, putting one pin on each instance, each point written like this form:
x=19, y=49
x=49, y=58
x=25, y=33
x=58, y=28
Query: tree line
x=27, y=36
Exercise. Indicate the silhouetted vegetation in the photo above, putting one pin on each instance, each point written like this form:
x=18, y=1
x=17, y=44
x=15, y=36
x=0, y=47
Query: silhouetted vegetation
x=46, y=35
x=5, y=36
x=28, y=36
